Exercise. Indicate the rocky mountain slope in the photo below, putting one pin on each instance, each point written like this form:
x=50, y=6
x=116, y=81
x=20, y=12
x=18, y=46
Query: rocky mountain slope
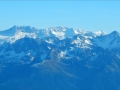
x=59, y=58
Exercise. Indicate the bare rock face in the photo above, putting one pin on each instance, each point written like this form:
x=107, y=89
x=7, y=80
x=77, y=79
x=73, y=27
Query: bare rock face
x=59, y=58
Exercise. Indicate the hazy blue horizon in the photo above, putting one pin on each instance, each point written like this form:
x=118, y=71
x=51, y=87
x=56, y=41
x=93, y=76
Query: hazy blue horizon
x=87, y=15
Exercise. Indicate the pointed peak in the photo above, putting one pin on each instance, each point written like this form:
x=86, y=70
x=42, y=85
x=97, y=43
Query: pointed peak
x=115, y=33
x=62, y=28
x=100, y=33
x=56, y=27
x=15, y=26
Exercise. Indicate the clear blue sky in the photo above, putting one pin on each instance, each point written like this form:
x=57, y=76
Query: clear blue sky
x=86, y=15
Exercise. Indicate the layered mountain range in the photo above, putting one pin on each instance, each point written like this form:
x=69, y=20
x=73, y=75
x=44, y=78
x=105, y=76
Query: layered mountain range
x=59, y=58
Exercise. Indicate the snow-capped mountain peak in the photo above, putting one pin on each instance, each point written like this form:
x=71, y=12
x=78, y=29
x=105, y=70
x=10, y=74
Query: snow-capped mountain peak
x=99, y=38
x=100, y=33
x=31, y=58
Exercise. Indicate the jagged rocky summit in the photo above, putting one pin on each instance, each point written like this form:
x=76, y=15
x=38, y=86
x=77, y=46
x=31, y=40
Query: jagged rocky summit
x=59, y=58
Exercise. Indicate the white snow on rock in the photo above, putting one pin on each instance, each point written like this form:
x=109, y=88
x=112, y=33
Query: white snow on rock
x=99, y=38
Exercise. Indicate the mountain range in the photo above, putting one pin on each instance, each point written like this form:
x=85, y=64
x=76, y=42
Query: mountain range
x=59, y=58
